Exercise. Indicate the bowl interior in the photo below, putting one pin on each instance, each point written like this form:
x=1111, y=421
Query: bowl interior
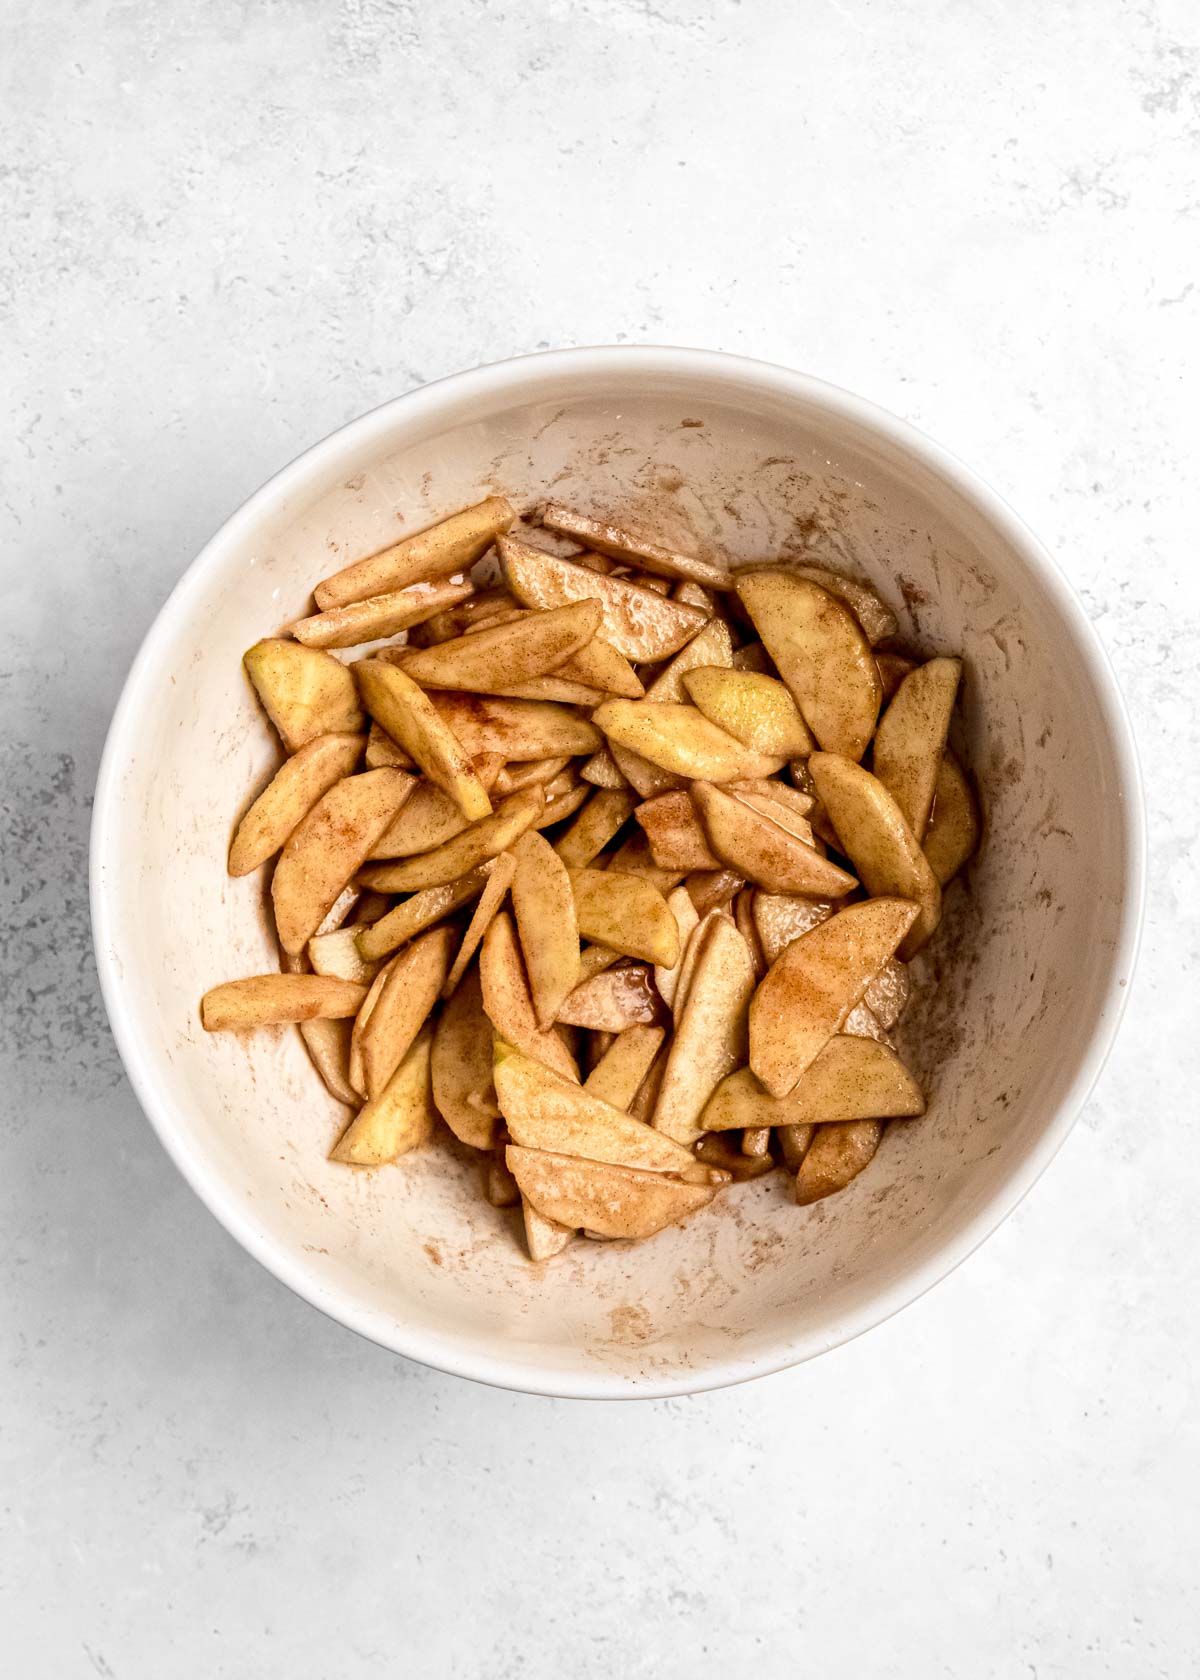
x=1016, y=993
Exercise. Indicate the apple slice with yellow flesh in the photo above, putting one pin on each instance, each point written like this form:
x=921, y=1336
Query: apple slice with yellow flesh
x=953, y=831
x=414, y=979
x=430, y=817
x=617, y=1077
x=544, y=905
x=304, y=691
x=379, y=939
x=763, y=850
x=811, y=989
x=396, y=702
x=666, y=976
x=400, y=1118
x=453, y=545
x=507, y=1003
x=512, y=818
x=611, y=1200
x=505, y=655
x=675, y=832
x=782, y=917
x=874, y=835
x=822, y=655
x=876, y=617
x=520, y=729
x=680, y=739
x=836, y=1155
x=618, y=543
x=461, y=1066
x=607, y=810
x=328, y=1046
x=290, y=796
x=911, y=738
x=850, y=1079
x=756, y=710
x=327, y=848
x=612, y=1000
x=544, y=1237
x=380, y=615
x=544, y=1111
x=711, y=647
x=710, y=1035
x=266, y=1000
x=627, y=913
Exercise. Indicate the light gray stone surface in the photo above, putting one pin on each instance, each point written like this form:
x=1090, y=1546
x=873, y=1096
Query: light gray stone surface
x=226, y=229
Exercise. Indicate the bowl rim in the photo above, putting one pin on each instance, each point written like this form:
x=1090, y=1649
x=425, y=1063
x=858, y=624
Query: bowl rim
x=446, y=1353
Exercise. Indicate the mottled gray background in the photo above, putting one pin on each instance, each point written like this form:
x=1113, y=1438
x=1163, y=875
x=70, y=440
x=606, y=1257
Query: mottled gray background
x=226, y=228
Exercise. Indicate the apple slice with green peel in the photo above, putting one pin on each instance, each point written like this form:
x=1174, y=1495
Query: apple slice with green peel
x=811, y=989
x=680, y=739
x=876, y=617
x=837, y=1154
x=911, y=738
x=304, y=691
x=451, y=546
x=953, y=831
x=520, y=729
x=396, y=702
x=756, y=710
x=611, y=1200
x=617, y=1077
x=414, y=979
x=762, y=850
x=874, y=835
x=379, y=939
x=612, y=1000
x=290, y=796
x=497, y=657
x=781, y=917
x=712, y=647
x=544, y=1111
x=380, y=615
x=607, y=810
x=507, y=1003
x=327, y=848
x=675, y=832
x=466, y=852
x=710, y=1035
x=627, y=913
x=400, y=1118
x=850, y=1079
x=642, y=626
x=267, y=1000
x=687, y=919
x=461, y=1066
x=620, y=544
x=544, y=905
x=822, y=655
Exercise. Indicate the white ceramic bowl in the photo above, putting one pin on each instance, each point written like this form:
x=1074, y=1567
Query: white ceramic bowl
x=1033, y=961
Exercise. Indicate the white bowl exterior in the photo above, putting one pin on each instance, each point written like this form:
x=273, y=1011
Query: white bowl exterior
x=1032, y=964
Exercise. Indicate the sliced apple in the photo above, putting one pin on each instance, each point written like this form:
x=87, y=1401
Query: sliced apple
x=753, y=657
x=680, y=739
x=466, y=852
x=328, y=1046
x=873, y=833
x=687, y=919
x=531, y=772
x=953, y=831
x=675, y=832
x=414, y=980
x=722, y=1156
x=887, y=995
x=743, y=920
x=876, y=617
x=641, y=625
x=500, y=876
x=710, y=1036
x=645, y=778
x=562, y=801
x=618, y=543
x=500, y=656
x=793, y=1145
x=304, y=691
x=601, y=770
x=627, y=913
x=507, y=1003
x=822, y=655
x=713, y=889
x=711, y=647
x=617, y=1076
x=544, y=1111
x=461, y=1066
x=850, y=1079
x=380, y=615
x=417, y=913
x=382, y=752
x=811, y=989
x=520, y=729
x=780, y=918
x=763, y=850
x=400, y=1118
x=266, y=1000
x=400, y=706
x=544, y=1237
x=606, y=810
x=544, y=905
x=451, y=546
x=599, y=665
x=756, y=710
x=430, y=817
x=486, y=606
x=634, y=857
x=559, y=690
x=337, y=954
x=893, y=668
x=327, y=848
x=612, y=1000
x=355, y=1071
x=836, y=1155
x=290, y=796
x=911, y=738
x=611, y=1200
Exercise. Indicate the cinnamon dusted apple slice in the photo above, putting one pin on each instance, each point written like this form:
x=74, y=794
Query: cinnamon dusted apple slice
x=687, y=919
x=607, y=810
x=380, y=615
x=507, y=1003
x=627, y=913
x=836, y=1155
x=451, y=546
x=763, y=850
x=711, y=647
x=756, y=710
x=680, y=739
x=290, y=796
x=675, y=832
x=266, y=1000
x=544, y=905
x=409, y=992
x=911, y=738
x=611, y=1200
x=417, y=913
x=953, y=831
x=612, y=1000
x=781, y=917
x=461, y=1066
x=520, y=729
x=876, y=617
x=710, y=1035
x=395, y=701
x=617, y=1077
x=466, y=852
x=304, y=691
x=850, y=1079
x=501, y=656
x=618, y=543
x=400, y=1118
